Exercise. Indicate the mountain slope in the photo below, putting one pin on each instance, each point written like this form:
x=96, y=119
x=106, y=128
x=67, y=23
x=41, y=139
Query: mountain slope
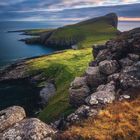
x=95, y=30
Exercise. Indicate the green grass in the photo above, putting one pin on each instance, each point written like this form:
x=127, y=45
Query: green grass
x=63, y=68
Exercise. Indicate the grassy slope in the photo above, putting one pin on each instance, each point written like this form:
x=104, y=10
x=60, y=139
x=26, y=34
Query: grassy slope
x=86, y=34
x=63, y=68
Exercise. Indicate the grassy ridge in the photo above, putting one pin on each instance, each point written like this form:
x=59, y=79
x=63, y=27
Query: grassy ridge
x=63, y=68
x=83, y=35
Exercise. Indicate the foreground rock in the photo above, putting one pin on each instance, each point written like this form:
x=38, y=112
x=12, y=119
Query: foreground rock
x=10, y=116
x=30, y=129
x=14, y=126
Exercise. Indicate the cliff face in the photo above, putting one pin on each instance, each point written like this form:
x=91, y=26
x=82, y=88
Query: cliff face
x=111, y=19
x=81, y=35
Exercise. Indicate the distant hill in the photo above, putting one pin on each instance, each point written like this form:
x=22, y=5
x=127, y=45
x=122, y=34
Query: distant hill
x=80, y=35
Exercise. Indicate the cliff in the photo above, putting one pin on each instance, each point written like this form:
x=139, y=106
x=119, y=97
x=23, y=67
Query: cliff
x=80, y=35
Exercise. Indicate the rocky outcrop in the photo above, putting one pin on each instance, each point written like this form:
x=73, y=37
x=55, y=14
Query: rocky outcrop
x=115, y=71
x=14, y=126
x=110, y=18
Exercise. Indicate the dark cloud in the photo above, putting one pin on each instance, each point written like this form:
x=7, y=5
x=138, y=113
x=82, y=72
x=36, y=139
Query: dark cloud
x=62, y=9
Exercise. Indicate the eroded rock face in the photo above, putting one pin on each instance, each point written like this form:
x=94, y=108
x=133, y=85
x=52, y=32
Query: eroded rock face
x=28, y=129
x=47, y=92
x=10, y=116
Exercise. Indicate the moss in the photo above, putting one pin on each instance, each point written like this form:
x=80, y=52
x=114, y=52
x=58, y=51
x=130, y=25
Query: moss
x=63, y=68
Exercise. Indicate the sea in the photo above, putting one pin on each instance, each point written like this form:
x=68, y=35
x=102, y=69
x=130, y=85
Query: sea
x=11, y=50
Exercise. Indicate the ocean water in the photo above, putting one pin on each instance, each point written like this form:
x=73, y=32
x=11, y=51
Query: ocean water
x=11, y=49
x=125, y=25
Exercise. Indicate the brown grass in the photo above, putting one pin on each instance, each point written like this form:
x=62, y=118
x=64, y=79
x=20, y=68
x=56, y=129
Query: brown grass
x=119, y=121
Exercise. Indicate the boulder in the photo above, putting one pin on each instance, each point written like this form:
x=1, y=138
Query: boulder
x=78, y=91
x=114, y=77
x=28, y=129
x=82, y=112
x=47, y=92
x=97, y=49
x=124, y=97
x=110, y=87
x=77, y=96
x=79, y=82
x=100, y=97
x=104, y=94
x=126, y=62
x=94, y=77
x=108, y=67
x=102, y=55
x=133, y=57
x=10, y=116
x=118, y=48
x=130, y=76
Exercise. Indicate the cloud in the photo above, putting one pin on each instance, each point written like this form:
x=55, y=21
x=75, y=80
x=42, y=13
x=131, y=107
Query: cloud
x=74, y=10
x=129, y=19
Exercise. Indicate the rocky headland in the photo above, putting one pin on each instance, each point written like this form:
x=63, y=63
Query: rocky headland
x=76, y=35
x=111, y=77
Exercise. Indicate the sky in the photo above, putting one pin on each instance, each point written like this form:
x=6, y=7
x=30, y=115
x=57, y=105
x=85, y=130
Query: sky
x=67, y=10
